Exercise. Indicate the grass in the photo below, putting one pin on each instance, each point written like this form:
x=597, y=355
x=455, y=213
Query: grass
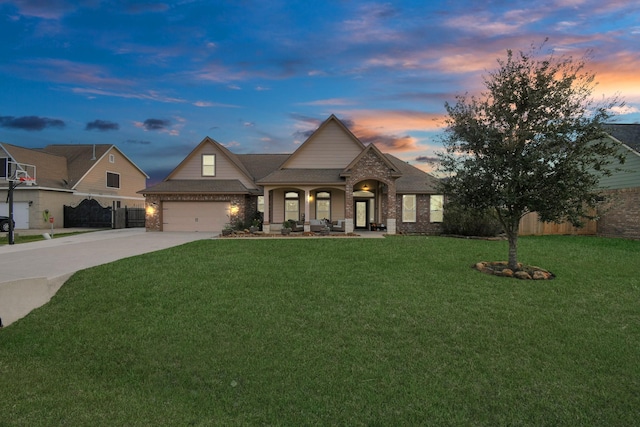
x=19, y=238
x=395, y=331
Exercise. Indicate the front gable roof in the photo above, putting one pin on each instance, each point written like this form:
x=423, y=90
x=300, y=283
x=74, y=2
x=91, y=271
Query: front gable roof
x=83, y=158
x=394, y=171
x=331, y=145
x=231, y=157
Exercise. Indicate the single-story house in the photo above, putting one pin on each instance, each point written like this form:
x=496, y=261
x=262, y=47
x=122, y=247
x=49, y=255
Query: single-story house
x=621, y=216
x=68, y=175
x=332, y=176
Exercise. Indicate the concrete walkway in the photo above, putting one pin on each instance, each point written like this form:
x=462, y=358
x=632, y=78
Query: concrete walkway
x=31, y=273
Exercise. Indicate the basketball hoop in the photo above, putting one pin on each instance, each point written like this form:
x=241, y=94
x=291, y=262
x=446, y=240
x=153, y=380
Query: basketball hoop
x=27, y=180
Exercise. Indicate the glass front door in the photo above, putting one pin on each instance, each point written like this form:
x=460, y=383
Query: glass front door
x=361, y=214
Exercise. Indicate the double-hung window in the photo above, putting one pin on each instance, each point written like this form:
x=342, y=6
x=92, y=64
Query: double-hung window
x=436, y=210
x=291, y=206
x=409, y=208
x=323, y=205
x=208, y=165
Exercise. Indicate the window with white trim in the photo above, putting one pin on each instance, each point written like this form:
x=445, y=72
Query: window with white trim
x=291, y=206
x=113, y=180
x=208, y=165
x=323, y=205
x=436, y=202
x=261, y=204
x=408, y=208
x=112, y=158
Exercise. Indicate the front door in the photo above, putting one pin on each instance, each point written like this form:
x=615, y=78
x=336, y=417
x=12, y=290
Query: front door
x=361, y=214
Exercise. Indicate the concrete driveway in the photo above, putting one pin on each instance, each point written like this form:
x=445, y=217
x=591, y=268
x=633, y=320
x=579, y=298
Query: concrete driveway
x=31, y=273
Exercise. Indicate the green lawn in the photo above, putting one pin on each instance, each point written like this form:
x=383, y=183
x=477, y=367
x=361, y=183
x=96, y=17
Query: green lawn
x=395, y=331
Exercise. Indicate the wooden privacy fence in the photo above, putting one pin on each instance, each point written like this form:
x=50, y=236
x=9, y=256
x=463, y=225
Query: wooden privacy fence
x=530, y=226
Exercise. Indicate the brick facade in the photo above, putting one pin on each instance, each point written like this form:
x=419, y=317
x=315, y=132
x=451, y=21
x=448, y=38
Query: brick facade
x=245, y=206
x=622, y=217
x=423, y=224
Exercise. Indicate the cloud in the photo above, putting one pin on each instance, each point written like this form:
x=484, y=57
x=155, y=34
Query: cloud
x=30, y=123
x=427, y=159
x=102, y=125
x=53, y=9
x=331, y=101
x=137, y=142
x=154, y=124
x=204, y=104
x=68, y=72
x=150, y=95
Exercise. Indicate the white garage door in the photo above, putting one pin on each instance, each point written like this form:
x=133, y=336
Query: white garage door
x=194, y=216
x=20, y=213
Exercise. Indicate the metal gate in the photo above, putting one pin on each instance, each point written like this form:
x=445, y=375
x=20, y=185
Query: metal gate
x=134, y=217
x=87, y=214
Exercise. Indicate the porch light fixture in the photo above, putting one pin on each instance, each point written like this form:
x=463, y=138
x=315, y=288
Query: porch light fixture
x=365, y=187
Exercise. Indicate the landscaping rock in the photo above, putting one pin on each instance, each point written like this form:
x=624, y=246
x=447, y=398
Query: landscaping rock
x=523, y=272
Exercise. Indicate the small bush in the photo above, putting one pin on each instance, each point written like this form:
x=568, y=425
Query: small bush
x=461, y=221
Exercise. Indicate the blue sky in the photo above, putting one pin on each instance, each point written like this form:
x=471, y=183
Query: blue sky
x=155, y=78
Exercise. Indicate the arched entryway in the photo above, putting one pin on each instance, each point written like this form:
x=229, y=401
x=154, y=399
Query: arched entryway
x=366, y=204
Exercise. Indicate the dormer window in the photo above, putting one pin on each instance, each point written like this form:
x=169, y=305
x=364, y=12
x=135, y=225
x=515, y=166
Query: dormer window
x=208, y=165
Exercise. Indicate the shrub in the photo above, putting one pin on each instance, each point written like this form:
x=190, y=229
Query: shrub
x=461, y=221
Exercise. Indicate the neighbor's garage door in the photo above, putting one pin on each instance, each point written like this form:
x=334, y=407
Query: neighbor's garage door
x=194, y=216
x=20, y=213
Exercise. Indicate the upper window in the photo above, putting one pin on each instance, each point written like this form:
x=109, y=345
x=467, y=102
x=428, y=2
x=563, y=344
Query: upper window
x=409, y=208
x=112, y=158
x=436, y=207
x=113, y=180
x=208, y=165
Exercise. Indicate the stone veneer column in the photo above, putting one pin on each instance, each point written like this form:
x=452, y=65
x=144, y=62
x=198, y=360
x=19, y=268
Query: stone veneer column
x=153, y=211
x=391, y=209
x=348, y=208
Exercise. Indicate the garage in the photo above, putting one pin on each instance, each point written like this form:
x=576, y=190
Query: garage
x=20, y=214
x=194, y=216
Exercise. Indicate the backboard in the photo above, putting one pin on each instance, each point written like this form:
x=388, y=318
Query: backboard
x=17, y=172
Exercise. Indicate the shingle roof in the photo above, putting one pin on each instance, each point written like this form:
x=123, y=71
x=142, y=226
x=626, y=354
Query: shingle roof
x=413, y=180
x=222, y=186
x=628, y=134
x=80, y=158
x=261, y=165
x=303, y=176
x=51, y=169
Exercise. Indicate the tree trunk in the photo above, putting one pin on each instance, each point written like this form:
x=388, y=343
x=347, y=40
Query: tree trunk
x=512, y=235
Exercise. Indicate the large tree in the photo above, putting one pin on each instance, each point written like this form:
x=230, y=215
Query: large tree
x=533, y=141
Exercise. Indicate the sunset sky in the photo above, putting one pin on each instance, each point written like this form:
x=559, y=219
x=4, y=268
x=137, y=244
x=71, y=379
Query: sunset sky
x=155, y=78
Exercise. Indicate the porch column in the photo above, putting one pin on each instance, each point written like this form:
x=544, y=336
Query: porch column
x=349, y=225
x=266, y=220
x=307, y=225
x=391, y=209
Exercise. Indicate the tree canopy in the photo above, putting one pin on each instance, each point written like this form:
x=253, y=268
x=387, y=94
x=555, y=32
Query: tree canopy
x=533, y=141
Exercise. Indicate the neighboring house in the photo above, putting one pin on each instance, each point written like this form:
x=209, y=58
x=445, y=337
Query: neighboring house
x=332, y=175
x=68, y=175
x=621, y=218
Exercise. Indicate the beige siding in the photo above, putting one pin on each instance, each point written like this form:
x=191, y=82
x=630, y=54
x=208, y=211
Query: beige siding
x=629, y=177
x=132, y=179
x=225, y=169
x=332, y=148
